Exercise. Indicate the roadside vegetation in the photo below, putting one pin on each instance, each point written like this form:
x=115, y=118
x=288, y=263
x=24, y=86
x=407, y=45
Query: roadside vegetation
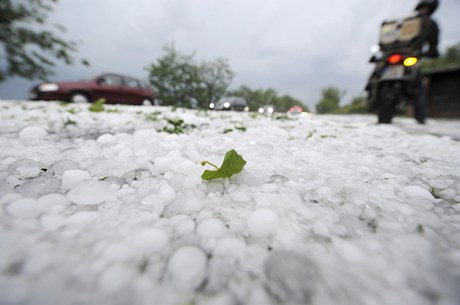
x=448, y=60
x=29, y=46
x=182, y=81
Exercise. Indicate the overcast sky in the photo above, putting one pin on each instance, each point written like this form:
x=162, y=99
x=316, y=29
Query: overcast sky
x=296, y=47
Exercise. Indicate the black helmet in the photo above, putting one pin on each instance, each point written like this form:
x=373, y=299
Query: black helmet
x=431, y=4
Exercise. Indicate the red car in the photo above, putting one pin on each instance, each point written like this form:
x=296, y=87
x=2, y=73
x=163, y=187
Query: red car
x=115, y=88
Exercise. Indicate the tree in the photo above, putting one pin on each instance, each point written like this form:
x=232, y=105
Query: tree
x=358, y=105
x=214, y=77
x=330, y=100
x=179, y=81
x=28, y=48
x=174, y=78
x=449, y=59
x=285, y=102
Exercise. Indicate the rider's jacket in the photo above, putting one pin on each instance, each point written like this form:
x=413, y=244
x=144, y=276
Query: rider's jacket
x=429, y=36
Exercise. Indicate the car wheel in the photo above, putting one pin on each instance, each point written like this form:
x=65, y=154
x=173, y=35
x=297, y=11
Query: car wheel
x=79, y=98
x=147, y=102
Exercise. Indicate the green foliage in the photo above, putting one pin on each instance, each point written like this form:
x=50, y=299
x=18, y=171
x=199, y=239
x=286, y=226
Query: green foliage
x=233, y=164
x=420, y=229
x=153, y=117
x=237, y=127
x=180, y=81
x=69, y=122
x=358, y=105
x=227, y=130
x=330, y=100
x=260, y=97
x=178, y=126
x=97, y=106
x=325, y=136
x=241, y=128
x=450, y=59
x=215, y=77
x=282, y=117
x=29, y=47
x=434, y=192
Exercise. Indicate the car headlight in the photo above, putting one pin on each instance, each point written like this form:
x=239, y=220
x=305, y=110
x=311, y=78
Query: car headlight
x=226, y=105
x=211, y=105
x=270, y=110
x=261, y=110
x=48, y=87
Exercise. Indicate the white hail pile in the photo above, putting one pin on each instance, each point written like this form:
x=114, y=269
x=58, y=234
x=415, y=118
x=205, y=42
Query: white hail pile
x=110, y=208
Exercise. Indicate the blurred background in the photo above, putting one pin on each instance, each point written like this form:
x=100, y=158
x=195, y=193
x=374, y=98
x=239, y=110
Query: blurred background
x=294, y=47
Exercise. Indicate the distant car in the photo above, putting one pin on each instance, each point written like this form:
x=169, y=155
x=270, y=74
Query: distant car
x=230, y=103
x=115, y=88
x=267, y=109
x=295, y=110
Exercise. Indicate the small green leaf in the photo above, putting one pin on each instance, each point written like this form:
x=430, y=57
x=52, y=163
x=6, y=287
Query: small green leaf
x=154, y=116
x=435, y=193
x=420, y=229
x=97, y=106
x=233, y=164
x=228, y=130
x=69, y=122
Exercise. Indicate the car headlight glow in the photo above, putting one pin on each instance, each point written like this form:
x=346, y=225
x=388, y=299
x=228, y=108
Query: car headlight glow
x=226, y=105
x=211, y=105
x=261, y=110
x=48, y=87
x=270, y=110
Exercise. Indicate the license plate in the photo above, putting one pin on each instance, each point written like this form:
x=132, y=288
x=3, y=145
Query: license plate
x=396, y=71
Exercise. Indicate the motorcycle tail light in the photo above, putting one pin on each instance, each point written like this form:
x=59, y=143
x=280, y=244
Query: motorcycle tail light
x=395, y=59
x=410, y=61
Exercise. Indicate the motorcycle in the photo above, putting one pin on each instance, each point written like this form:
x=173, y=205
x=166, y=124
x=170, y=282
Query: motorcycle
x=394, y=81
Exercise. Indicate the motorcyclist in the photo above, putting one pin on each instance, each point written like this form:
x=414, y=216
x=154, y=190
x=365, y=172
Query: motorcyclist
x=429, y=46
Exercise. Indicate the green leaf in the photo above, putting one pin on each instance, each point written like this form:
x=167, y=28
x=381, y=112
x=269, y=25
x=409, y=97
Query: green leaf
x=233, y=164
x=228, y=130
x=69, y=122
x=97, y=106
x=435, y=193
x=420, y=229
